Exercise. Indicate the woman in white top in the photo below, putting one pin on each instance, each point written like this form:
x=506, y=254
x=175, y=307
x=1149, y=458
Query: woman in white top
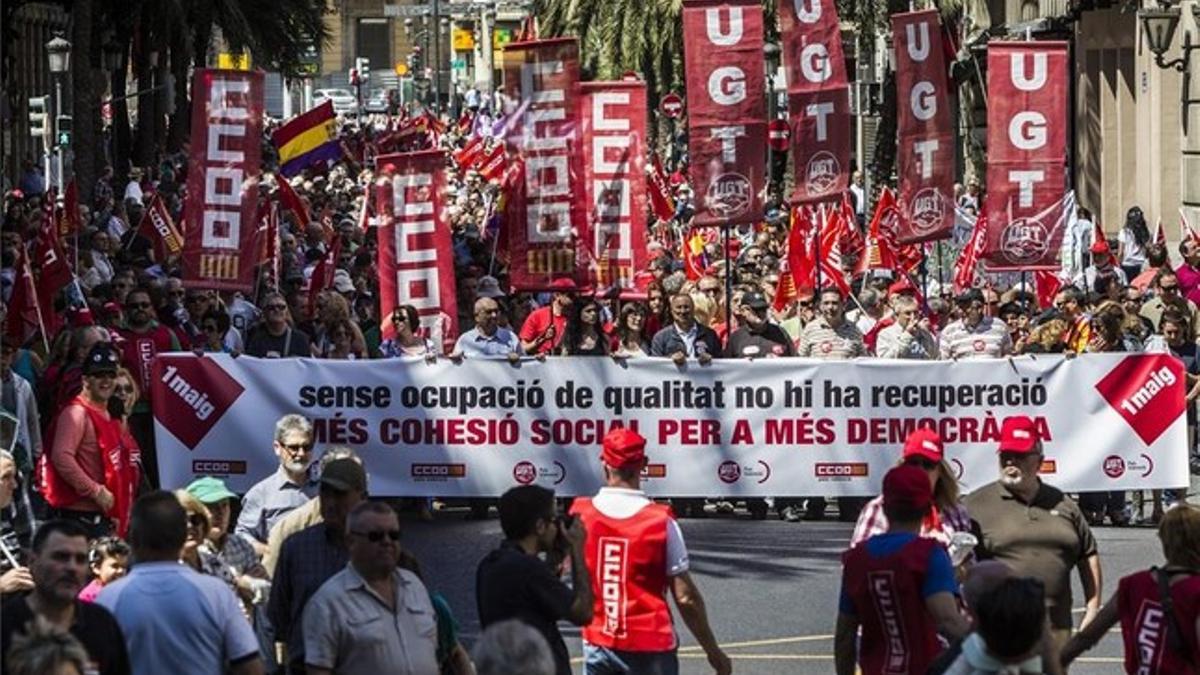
x=407, y=342
x=1134, y=237
x=630, y=334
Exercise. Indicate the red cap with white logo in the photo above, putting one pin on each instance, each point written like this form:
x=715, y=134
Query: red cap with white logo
x=1018, y=434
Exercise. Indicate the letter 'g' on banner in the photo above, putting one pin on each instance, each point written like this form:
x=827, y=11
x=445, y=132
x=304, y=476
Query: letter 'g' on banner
x=1027, y=149
x=726, y=103
x=223, y=174
x=416, y=257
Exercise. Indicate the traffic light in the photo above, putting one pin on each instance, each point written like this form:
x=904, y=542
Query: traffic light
x=363, y=65
x=39, y=118
x=63, y=138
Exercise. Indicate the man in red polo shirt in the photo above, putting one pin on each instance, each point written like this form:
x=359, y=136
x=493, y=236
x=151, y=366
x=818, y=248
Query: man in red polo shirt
x=899, y=586
x=543, y=328
x=635, y=553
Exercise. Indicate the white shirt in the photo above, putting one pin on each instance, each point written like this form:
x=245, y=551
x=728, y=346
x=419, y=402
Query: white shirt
x=688, y=337
x=623, y=503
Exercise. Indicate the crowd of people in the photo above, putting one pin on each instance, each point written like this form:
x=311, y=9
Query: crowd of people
x=305, y=561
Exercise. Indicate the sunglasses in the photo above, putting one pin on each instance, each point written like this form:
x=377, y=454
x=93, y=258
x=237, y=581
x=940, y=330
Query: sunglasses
x=297, y=447
x=124, y=389
x=377, y=536
x=923, y=462
x=1169, y=288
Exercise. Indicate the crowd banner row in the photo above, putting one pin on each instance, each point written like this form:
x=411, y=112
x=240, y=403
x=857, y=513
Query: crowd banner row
x=727, y=116
x=818, y=98
x=926, y=145
x=223, y=174
x=792, y=427
x=415, y=265
x=546, y=211
x=1027, y=155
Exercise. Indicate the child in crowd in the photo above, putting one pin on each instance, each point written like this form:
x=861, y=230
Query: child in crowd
x=109, y=560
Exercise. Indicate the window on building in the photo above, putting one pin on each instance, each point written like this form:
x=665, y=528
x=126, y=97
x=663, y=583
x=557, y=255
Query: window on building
x=1030, y=10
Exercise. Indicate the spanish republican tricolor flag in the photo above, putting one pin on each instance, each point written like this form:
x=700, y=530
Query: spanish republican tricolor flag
x=307, y=139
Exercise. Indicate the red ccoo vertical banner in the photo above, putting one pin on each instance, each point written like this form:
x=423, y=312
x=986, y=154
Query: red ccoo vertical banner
x=726, y=102
x=614, y=168
x=1027, y=147
x=818, y=98
x=223, y=174
x=926, y=147
x=416, y=259
x=546, y=215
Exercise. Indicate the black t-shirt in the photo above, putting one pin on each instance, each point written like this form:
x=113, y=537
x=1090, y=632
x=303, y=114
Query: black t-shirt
x=511, y=584
x=769, y=340
x=293, y=342
x=94, y=627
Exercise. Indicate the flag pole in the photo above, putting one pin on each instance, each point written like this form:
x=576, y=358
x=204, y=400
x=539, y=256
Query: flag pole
x=816, y=258
x=941, y=271
x=728, y=284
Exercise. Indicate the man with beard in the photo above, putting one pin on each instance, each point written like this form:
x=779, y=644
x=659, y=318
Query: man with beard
x=59, y=569
x=289, y=487
x=757, y=337
x=1036, y=529
x=143, y=339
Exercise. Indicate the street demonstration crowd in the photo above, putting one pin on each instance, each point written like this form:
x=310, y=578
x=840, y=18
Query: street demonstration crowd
x=105, y=570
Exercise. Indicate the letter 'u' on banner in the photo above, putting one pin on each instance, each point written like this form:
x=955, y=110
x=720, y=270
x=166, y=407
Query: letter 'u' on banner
x=1027, y=152
x=726, y=103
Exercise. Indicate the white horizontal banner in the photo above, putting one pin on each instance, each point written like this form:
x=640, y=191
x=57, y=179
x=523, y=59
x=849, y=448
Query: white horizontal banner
x=782, y=427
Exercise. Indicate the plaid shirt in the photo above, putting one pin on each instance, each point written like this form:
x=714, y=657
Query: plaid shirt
x=307, y=560
x=872, y=521
x=239, y=555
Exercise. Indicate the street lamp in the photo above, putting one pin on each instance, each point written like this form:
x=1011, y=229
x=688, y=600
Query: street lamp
x=110, y=56
x=59, y=52
x=1159, y=26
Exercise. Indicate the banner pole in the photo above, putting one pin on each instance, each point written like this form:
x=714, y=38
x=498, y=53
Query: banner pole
x=924, y=272
x=816, y=260
x=728, y=284
x=941, y=277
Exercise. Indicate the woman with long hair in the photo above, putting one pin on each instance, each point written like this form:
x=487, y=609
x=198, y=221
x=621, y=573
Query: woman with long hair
x=197, y=553
x=1132, y=242
x=341, y=339
x=631, y=338
x=584, y=334
x=1160, y=603
x=406, y=323
x=658, y=308
x=332, y=310
x=947, y=517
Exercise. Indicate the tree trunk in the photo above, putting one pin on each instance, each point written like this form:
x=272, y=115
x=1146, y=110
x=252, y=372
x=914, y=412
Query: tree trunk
x=143, y=143
x=122, y=135
x=85, y=104
x=181, y=57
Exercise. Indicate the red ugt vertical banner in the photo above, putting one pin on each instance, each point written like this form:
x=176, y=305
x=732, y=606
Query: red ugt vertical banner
x=416, y=259
x=818, y=98
x=727, y=125
x=1027, y=147
x=546, y=215
x=926, y=149
x=223, y=173
x=614, y=168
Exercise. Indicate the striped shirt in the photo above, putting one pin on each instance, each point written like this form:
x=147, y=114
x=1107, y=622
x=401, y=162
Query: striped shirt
x=988, y=339
x=821, y=341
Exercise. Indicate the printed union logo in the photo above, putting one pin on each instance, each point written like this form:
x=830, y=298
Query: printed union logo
x=728, y=195
x=1147, y=390
x=654, y=471
x=190, y=396
x=821, y=174
x=524, y=473
x=218, y=467
x=928, y=211
x=729, y=472
x=1024, y=241
x=1114, y=466
x=437, y=472
x=841, y=470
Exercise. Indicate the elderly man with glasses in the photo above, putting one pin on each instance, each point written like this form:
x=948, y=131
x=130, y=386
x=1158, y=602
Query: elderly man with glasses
x=288, y=488
x=1167, y=297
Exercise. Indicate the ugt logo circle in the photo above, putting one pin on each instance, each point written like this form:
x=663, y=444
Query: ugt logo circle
x=729, y=472
x=928, y=211
x=524, y=473
x=821, y=174
x=728, y=195
x=1024, y=241
x=1114, y=466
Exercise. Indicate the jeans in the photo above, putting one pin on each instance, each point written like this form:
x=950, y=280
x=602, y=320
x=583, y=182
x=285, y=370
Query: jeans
x=604, y=661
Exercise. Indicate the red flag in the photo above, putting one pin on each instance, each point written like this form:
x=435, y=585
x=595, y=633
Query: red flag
x=877, y=252
x=1098, y=232
x=466, y=156
x=68, y=220
x=53, y=272
x=818, y=99
x=494, y=163
x=1027, y=152
x=291, y=201
x=727, y=115
x=852, y=238
x=158, y=227
x=785, y=292
x=1160, y=235
x=322, y=274
x=964, y=267
x=270, y=245
x=661, y=201
x=693, y=255
x=832, y=230
x=801, y=265
x=1048, y=285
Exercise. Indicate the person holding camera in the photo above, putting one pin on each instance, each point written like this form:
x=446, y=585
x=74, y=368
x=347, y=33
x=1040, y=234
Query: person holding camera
x=513, y=582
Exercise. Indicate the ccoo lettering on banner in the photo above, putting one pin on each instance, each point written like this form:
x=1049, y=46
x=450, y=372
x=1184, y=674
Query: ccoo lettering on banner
x=818, y=98
x=546, y=212
x=223, y=174
x=926, y=138
x=1027, y=146
x=416, y=260
x=726, y=102
x=614, y=168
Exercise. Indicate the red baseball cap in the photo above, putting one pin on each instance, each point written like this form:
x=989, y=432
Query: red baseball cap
x=1018, y=434
x=623, y=448
x=924, y=442
x=902, y=286
x=907, y=486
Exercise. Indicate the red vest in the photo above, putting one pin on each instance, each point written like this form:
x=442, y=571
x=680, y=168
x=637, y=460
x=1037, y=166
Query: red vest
x=627, y=559
x=898, y=634
x=1144, y=627
x=139, y=349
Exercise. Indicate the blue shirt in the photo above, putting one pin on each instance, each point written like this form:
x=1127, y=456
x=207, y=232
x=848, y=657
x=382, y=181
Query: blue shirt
x=939, y=571
x=178, y=621
x=500, y=343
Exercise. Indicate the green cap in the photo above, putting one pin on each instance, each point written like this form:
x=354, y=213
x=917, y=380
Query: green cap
x=210, y=490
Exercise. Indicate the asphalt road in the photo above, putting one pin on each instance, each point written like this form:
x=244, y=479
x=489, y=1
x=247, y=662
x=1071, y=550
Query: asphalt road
x=770, y=586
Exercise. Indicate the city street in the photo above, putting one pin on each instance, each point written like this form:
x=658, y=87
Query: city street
x=770, y=586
